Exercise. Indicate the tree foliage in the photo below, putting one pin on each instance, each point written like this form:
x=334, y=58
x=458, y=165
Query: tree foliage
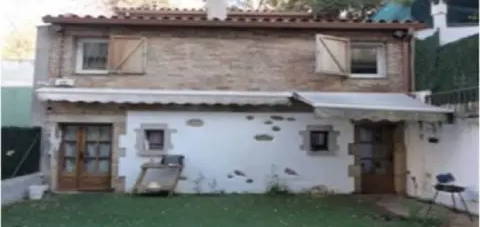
x=128, y=3
x=18, y=45
x=328, y=8
x=352, y=8
x=404, y=2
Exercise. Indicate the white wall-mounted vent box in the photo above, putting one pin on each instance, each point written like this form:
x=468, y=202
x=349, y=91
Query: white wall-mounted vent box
x=64, y=82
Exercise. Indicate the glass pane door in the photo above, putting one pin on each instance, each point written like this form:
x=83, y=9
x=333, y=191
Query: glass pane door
x=70, y=150
x=96, y=159
x=374, y=154
x=85, y=157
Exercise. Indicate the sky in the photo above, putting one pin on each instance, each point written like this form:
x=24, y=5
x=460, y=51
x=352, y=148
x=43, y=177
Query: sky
x=16, y=13
x=24, y=15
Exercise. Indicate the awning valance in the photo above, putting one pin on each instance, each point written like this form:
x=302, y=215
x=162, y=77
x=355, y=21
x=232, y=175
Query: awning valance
x=151, y=96
x=346, y=105
x=371, y=106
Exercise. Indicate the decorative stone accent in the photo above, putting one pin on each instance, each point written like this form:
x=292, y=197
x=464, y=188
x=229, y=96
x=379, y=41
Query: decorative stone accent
x=433, y=140
x=351, y=149
x=263, y=137
x=195, y=122
x=119, y=184
x=250, y=117
x=239, y=173
x=122, y=152
x=320, y=191
x=268, y=122
x=354, y=170
x=276, y=128
x=290, y=172
x=277, y=118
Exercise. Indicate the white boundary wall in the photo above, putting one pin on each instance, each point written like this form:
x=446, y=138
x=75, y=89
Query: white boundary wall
x=226, y=143
x=16, y=189
x=447, y=34
x=16, y=73
x=456, y=152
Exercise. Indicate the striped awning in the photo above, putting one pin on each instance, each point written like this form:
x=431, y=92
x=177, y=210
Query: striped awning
x=345, y=105
x=153, y=96
x=371, y=106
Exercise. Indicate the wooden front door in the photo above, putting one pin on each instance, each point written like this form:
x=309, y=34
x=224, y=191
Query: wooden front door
x=85, y=157
x=375, y=155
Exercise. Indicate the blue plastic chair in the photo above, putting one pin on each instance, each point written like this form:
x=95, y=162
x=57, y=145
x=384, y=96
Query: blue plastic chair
x=445, y=184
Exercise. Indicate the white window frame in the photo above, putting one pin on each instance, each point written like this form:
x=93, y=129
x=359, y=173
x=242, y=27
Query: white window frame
x=79, y=56
x=381, y=60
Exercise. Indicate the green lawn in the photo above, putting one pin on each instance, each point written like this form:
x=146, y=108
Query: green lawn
x=223, y=211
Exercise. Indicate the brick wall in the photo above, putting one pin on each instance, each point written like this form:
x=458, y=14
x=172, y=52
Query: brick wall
x=230, y=59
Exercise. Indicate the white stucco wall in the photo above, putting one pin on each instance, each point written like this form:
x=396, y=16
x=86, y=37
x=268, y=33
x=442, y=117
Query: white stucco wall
x=456, y=152
x=16, y=189
x=226, y=143
x=16, y=73
x=448, y=34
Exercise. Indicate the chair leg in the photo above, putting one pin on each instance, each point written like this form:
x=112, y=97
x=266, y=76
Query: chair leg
x=465, y=206
x=453, y=200
x=431, y=203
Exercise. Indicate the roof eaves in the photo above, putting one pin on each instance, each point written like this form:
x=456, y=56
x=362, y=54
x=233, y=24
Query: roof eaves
x=240, y=22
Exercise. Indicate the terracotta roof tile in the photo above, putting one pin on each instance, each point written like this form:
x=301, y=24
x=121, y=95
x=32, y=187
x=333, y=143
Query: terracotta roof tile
x=236, y=18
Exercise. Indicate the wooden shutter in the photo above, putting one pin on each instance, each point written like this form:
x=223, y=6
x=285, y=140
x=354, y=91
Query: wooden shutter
x=127, y=54
x=332, y=55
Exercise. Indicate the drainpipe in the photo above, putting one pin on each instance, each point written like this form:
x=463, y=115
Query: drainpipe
x=411, y=35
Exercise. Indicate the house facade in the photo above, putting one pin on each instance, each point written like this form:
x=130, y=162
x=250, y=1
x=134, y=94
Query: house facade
x=252, y=100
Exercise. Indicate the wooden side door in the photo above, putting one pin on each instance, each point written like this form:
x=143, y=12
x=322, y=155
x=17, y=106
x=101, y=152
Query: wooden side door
x=375, y=153
x=85, y=157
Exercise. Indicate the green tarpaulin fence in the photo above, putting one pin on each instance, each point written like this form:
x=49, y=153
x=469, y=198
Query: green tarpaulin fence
x=20, y=151
x=445, y=68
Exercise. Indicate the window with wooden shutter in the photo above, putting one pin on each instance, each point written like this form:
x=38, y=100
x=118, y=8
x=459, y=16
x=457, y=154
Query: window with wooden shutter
x=368, y=60
x=127, y=54
x=91, y=56
x=332, y=55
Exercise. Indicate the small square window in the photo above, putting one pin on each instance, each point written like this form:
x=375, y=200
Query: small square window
x=364, y=60
x=92, y=56
x=155, y=139
x=368, y=60
x=318, y=141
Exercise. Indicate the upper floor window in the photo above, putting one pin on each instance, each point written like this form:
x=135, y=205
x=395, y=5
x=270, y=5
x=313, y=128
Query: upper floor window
x=92, y=56
x=340, y=56
x=119, y=54
x=367, y=60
